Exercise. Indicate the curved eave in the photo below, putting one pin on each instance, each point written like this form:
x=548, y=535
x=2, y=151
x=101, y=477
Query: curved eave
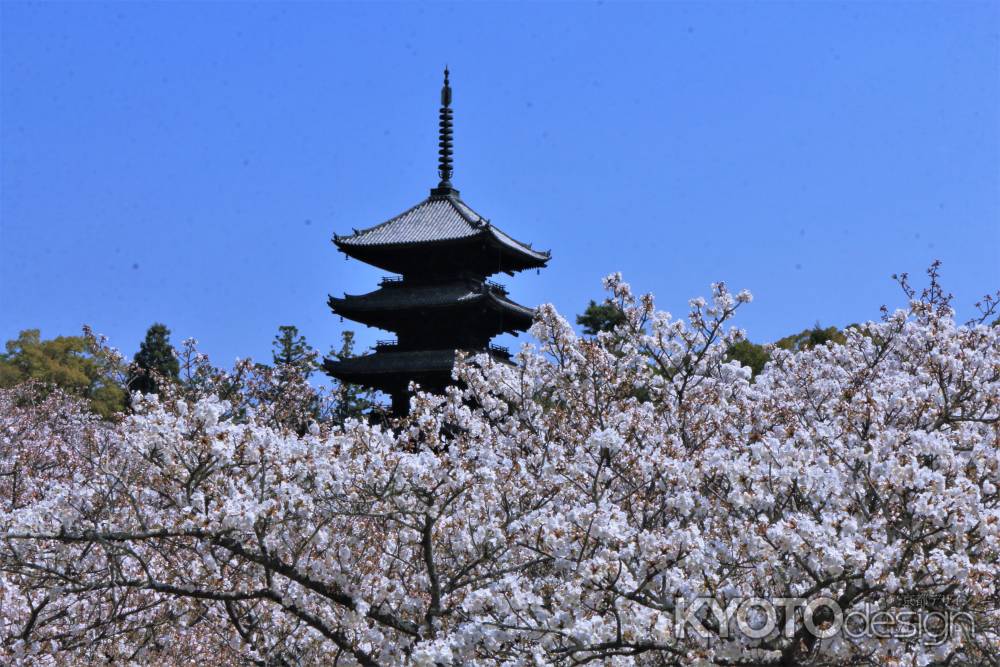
x=355, y=308
x=516, y=256
x=355, y=369
x=538, y=258
x=393, y=371
x=511, y=308
x=345, y=244
x=368, y=367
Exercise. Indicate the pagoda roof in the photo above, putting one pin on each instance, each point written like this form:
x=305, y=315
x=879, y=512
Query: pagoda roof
x=439, y=218
x=387, y=371
x=391, y=363
x=393, y=298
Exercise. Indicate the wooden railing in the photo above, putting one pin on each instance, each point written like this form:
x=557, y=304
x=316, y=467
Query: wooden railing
x=390, y=281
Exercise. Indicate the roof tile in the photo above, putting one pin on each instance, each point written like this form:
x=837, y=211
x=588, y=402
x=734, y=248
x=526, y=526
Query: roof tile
x=434, y=219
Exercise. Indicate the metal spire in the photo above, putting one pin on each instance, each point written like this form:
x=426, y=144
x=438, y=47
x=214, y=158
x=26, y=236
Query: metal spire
x=444, y=141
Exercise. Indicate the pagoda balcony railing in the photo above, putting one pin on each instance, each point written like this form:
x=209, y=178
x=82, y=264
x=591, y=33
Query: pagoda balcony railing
x=393, y=346
x=500, y=349
x=496, y=287
x=487, y=285
x=391, y=281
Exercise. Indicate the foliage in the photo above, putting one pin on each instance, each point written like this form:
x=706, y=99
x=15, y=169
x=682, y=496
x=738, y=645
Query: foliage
x=294, y=362
x=155, y=364
x=598, y=317
x=810, y=338
x=280, y=396
x=70, y=363
x=749, y=354
x=351, y=401
x=543, y=514
x=291, y=350
x=755, y=356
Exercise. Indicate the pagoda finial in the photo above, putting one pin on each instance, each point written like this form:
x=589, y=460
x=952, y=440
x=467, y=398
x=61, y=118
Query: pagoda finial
x=444, y=140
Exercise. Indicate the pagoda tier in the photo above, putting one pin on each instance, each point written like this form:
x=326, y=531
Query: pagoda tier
x=441, y=236
x=443, y=303
x=391, y=370
x=429, y=311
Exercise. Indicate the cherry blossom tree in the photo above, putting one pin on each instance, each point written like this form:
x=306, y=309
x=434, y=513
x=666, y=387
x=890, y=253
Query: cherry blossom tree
x=579, y=506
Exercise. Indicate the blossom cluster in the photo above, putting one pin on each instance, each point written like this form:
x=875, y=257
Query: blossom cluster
x=555, y=511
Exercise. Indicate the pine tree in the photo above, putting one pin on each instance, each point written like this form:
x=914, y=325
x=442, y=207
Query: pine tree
x=154, y=363
x=353, y=400
x=600, y=317
x=292, y=351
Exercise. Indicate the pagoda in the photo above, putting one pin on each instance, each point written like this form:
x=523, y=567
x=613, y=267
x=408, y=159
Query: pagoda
x=440, y=301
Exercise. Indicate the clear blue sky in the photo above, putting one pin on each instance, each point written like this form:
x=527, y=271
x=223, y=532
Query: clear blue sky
x=189, y=163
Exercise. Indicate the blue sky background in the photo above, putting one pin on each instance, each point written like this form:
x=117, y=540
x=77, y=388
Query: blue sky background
x=188, y=163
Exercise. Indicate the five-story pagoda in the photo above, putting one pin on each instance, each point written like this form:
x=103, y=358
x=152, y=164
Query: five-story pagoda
x=441, y=300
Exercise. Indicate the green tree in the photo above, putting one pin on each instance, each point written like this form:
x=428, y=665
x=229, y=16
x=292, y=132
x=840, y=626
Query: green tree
x=154, y=363
x=291, y=350
x=599, y=317
x=292, y=402
x=67, y=362
x=352, y=400
x=810, y=338
x=755, y=356
x=749, y=354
